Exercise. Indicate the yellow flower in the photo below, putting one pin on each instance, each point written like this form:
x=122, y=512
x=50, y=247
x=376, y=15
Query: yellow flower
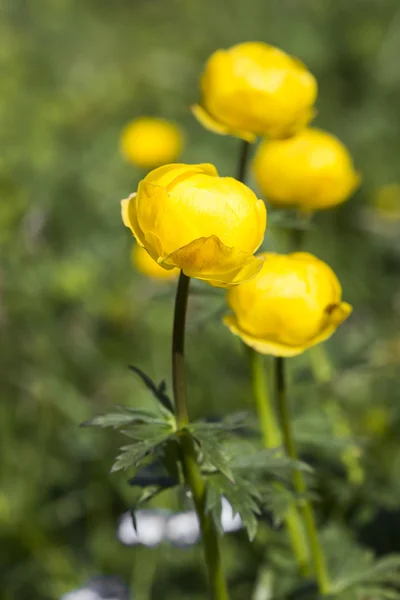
x=143, y=262
x=310, y=171
x=149, y=142
x=188, y=217
x=387, y=202
x=255, y=89
x=294, y=303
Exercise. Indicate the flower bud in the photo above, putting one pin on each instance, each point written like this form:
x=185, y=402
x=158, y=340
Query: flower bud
x=188, y=217
x=310, y=171
x=148, y=142
x=294, y=303
x=255, y=89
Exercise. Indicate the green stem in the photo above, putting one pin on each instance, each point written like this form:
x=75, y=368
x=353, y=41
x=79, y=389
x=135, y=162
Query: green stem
x=300, y=483
x=178, y=351
x=243, y=160
x=269, y=427
x=272, y=438
x=191, y=469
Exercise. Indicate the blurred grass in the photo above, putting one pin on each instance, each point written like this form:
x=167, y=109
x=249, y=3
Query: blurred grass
x=73, y=314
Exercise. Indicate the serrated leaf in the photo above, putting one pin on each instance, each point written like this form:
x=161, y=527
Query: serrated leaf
x=133, y=455
x=230, y=423
x=159, y=392
x=212, y=453
x=122, y=416
x=243, y=498
x=145, y=431
x=269, y=461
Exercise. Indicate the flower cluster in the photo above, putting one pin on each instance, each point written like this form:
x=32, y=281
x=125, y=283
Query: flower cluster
x=186, y=217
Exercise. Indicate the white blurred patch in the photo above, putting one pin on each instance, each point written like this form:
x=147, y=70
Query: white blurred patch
x=151, y=525
x=229, y=521
x=183, y=529
x=82, y=594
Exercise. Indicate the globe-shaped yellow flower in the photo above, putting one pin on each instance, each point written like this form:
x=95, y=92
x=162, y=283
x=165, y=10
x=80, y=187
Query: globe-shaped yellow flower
x=143, y=263
x=294, y=303
x=188, y=217
x=149, y=142
x=255, y=89
x=312, y=170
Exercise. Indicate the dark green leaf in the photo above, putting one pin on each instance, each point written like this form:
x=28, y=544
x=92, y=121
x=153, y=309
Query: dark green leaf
x=134, y=455
x=159, y=392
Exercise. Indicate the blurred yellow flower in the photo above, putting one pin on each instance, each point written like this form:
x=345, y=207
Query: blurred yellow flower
x=255, y=89
x=143, y=262
x=310, y=171
x=148, y=142
x=387, y=202
x=188, y=217
x=294, y=303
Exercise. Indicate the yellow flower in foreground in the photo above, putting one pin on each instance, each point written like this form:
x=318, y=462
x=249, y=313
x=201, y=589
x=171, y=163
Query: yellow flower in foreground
x=294, y=303
x=387, y=202
x=148, y=142
x=255, y=89
x=310, y=171
x=188, y=217
x=143, y=262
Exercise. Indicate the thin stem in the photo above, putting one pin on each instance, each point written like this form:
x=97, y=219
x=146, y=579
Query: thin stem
x=299, y=482
x=269, y=427
x=178, y=351
x=243, y=160
x=191, y=469
x=272, y=438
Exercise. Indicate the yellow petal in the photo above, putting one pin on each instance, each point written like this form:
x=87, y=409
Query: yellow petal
x=125, y=210
x=242, y=274
x=166, y=174
x=206, y=255
x=262, y=346
x=211, y=124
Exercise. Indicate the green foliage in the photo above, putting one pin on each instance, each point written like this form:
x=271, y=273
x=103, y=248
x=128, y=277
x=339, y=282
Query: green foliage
x=73, y=313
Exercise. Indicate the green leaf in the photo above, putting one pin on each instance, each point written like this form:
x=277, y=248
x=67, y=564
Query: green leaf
x=231, y=423
x=212, y=452
x=242, y=496
x=268, y=461
x=135, y=455
x=159, y=392
x=142, y=432
x=122, y=416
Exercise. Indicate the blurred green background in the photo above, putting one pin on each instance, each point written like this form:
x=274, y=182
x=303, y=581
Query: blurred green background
x=74, y=314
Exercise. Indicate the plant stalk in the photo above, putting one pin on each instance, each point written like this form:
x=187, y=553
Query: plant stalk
x=271, y=439
x=191, y=469
x=299, y=482
x=243, y=160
